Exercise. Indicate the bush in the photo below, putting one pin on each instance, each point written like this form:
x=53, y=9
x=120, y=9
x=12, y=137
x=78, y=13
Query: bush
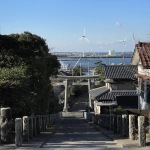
x=118, y=110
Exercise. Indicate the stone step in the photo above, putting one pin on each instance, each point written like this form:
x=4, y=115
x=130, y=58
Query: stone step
x=78, y=114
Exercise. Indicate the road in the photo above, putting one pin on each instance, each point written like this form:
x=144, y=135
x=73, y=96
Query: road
x=75, y=133
x=80, y=105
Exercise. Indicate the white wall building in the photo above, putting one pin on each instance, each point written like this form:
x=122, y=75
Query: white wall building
x=141, y=57
x=112, y=53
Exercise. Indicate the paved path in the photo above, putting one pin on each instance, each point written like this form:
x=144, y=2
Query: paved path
x=72, y=132
x=80, y=105
x=75, y=133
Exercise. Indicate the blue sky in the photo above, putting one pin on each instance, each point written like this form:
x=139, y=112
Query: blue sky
x=62, y=22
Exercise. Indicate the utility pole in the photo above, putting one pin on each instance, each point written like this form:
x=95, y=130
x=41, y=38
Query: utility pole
x=88, y=69
x=80, y=70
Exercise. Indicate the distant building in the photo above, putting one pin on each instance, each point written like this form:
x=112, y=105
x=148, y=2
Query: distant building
x=112, y=53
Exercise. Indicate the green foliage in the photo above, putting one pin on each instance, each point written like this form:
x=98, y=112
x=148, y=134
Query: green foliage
x=118, y=110
x=77, y=70
x=99, y=71
x=14, y=90
x=26, y=66
x=14, y=75
x=75, y=91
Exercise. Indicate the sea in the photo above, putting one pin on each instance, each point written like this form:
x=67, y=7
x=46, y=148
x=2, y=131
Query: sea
x=90, y=63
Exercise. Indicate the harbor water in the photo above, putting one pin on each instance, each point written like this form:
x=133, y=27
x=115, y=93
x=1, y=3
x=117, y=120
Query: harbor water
x=90, y=63
x=85, y=62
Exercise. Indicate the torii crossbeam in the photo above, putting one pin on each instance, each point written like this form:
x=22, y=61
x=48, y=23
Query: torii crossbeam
x=65, y=83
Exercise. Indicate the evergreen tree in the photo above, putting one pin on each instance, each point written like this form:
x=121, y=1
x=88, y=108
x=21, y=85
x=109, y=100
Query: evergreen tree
x=26, y=66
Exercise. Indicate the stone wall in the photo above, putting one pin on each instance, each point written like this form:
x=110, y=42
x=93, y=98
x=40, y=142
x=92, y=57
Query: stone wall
x=124, y=125
x=26, y=127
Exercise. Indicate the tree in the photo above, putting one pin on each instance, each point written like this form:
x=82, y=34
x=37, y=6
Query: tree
x=76, y=71
x=99, y=71
x=28, y=65
x=14, y=90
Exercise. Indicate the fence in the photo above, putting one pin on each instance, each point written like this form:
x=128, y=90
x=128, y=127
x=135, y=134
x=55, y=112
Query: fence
x=25, y=128
x=131, y=126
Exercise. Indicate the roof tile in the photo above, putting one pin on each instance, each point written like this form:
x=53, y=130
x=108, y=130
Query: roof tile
x=120, y=71
x=112, y=95
x=98, y=91
x=144, y=53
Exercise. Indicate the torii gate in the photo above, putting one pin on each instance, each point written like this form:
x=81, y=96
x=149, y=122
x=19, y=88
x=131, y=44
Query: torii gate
x=65, y=83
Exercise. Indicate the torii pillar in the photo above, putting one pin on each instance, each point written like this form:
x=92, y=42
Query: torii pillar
x=66, y=96
x=89, y=87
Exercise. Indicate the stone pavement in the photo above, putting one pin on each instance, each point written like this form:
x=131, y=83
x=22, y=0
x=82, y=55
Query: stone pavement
x=74, y=132
x=125, y=142
x=80, y=104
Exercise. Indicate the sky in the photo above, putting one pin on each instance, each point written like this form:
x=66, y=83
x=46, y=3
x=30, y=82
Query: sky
x=62, y=22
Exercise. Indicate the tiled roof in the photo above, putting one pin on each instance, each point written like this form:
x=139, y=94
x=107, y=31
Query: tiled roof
x=112, y=95
x=106, y=96
x=94, y=93
x=120, y=71
x=144, y=53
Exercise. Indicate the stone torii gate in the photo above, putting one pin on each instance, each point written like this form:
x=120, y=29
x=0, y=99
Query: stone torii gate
x=66, y=80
